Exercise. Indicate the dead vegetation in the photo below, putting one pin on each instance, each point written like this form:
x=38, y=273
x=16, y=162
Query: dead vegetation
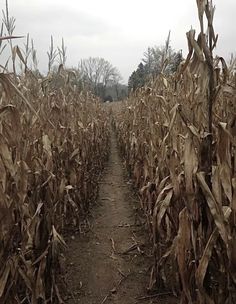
x=54, y=139
x=178, y=139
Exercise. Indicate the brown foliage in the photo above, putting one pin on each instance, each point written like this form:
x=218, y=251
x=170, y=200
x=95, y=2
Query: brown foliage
x=178, y=140
x=52, y=147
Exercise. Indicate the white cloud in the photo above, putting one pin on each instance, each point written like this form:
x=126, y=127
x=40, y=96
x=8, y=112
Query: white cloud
x=120, y=31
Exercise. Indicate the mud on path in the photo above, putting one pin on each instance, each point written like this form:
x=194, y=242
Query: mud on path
x=110, y=263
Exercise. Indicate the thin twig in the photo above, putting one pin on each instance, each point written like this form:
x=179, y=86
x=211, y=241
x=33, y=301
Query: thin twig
x=155, y=295
x=104, y=300
x=117, y=285
x=131, y=248
x=113, y=245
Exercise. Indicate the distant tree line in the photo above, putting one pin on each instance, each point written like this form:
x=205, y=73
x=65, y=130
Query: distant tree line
x=93, y=74
x=102, y=78
x=156, y=60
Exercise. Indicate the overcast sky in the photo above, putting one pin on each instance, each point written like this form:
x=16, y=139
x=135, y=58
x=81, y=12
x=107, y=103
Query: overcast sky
x=119, y=31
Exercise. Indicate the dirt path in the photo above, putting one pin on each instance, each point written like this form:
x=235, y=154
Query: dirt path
x=99, y=268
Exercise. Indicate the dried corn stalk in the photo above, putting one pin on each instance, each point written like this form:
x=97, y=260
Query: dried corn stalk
x=178, y=139
x=53, y=143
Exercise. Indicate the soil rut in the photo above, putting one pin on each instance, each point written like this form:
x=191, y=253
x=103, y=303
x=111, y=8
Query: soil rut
x=103, y=267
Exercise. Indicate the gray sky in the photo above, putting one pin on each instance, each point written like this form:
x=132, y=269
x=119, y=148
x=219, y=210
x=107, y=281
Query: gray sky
x=119, y=31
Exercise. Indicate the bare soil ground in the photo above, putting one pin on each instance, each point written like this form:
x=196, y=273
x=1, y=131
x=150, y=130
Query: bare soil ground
x=111, y=262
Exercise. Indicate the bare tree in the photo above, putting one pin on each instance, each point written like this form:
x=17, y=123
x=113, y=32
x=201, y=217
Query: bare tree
x=115, y=82
x=98, y=73
x=161, y=59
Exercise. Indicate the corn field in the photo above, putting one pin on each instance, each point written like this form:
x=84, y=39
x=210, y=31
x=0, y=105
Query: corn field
x=53, y=144
x=177, y=136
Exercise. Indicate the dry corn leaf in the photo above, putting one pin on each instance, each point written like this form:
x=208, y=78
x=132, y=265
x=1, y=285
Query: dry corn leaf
x=190, y=163
x=223, y=153
x=4, y=274
x=183, y=245
x=6, y=156
x=205, y=258
x=215, y=209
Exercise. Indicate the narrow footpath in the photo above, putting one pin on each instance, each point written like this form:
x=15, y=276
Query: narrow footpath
x=111, y=262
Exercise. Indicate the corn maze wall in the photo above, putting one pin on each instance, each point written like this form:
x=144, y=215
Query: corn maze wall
x=177, y=136
x=52, y=147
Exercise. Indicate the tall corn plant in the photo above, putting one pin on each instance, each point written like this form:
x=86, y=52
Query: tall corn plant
x=53, y=144
x=178, y=137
